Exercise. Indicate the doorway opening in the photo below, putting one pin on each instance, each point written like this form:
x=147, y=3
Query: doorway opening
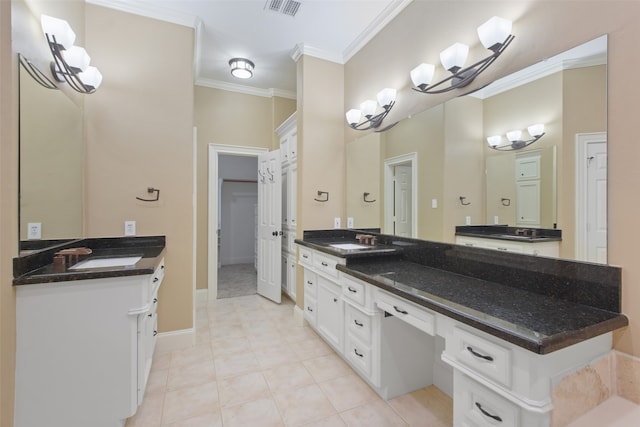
x=233, y=206
x=401, y=195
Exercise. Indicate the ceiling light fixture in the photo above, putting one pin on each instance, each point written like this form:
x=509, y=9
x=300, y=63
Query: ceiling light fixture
x=514, y=137
x=495, y=35
x=386, y=99
x=241, y=68
x=70, y=63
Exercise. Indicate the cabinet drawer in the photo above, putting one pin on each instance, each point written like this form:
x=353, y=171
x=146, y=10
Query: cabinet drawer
x=413, y=314
x=358, y=324
x=357, y=292
x=359, y=355
x=156, y=277
x=310, y=312
x=476, y=405
x=325, y=264
x=306, y=256
x=310, y=284
x=487, y=358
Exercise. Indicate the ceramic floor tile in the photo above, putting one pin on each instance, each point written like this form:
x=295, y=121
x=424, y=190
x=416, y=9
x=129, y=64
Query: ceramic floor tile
x=242, y=388
x=373, y=414
x=311, y=348
x=161, y=361
x=427, y=406
x=157, y=382
x=288, y=377
x=261, y=412
x=303, y=405
x=275, y=355
x=299, y=333
x=227, y=330
x=205, y=420
x=229, y=345
x=332, y=421
x=190, y=375
x=190, y=402
x=327, y=367
x=191, y=355
x=347, y=392
x=229, y=365
x=149, y=414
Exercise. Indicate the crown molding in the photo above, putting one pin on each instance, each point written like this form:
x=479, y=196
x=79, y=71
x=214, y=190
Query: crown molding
x=247, y=90
x=149, y=11
x=304, y=49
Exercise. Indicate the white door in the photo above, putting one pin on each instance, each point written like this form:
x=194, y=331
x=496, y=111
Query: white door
x=402, y=196
x=597, y=202
x=269, y=225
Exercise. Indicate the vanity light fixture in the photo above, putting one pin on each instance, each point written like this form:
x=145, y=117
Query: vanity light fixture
x=386, y=99
x=515, y=139
x=70, y=63
x=495, y=35
x=241, y=68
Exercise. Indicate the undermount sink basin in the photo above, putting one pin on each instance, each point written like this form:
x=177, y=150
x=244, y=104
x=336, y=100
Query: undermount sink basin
x=349, y=246
x=106, y=262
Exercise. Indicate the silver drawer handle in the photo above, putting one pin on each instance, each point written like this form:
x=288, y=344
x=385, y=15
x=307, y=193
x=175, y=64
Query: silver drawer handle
x=478, y=355
x=487, y=414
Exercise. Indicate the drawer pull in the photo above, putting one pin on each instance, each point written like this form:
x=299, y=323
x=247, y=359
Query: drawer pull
x=335, y=300
x=399, y=310
x=309, y=282
x=355, y=350
x=358, y=323
x=310, y=309
x=305, y=256
x=478, y=355
x=155, y=279
x=155, y=300
x=355, y=291
x=155, y=333
x=324, y=264
x=149, y=315
x=487, y=414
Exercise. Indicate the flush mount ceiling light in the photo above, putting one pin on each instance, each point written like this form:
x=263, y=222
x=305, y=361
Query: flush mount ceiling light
x=386, y=99
x=241, y=68
x=495, y=35
x=70, y=63
x=514, y=137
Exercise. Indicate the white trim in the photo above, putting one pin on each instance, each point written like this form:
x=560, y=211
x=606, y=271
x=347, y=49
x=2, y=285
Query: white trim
x=247, y=90
x=194, y=206
x=389, y=164
x=148, y=10
x=582, y=141
x=212, y=198
x=174, y=340
x=201, y=294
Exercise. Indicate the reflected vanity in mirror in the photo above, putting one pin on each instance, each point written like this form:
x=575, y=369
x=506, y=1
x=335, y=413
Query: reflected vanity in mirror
x=51, y=165
x=455, y=178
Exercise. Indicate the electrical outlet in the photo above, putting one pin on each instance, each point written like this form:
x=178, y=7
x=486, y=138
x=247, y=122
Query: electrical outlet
x=129, y=228
x=350, y=222
x=434, y=203
x=34, y=230
x=468, y=220
x=336, y=222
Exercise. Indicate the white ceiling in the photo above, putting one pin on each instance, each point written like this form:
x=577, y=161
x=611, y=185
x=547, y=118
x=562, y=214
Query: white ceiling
x=329, y=29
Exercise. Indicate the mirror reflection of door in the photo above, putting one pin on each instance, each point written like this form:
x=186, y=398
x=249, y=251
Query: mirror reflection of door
x=402, y=201
x=400, y=195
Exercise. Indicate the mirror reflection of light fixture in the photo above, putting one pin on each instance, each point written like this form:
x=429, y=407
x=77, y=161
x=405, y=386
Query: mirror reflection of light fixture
x=241, y=68
x=495, y=35
x=515, y=138
x=70, y=63
x=386, y=99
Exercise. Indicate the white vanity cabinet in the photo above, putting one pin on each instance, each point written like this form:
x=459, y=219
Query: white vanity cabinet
x=84, y=349
x=547, y=248
x=288, y=134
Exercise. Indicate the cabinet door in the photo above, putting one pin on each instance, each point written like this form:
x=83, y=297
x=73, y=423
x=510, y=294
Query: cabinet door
x=527, y=167
x=292, y=185
x=528, y=203
x=330, y=313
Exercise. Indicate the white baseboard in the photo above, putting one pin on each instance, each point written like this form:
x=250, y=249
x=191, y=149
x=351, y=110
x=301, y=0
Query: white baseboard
x=202, y=294
x=175, y=340
x=298, y=315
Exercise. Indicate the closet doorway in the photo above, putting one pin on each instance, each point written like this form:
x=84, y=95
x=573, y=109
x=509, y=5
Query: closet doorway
x=233, y=205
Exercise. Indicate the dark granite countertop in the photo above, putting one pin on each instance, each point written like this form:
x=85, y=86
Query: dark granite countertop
x=514, y=234
x=540, y=304
x=39, y=268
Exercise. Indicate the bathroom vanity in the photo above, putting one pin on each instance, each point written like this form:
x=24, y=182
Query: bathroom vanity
x=530, y=241
x=86, y=332
x=496, y=331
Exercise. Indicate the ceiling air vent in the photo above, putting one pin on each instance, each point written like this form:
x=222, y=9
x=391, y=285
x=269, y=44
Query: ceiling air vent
x=286, y=7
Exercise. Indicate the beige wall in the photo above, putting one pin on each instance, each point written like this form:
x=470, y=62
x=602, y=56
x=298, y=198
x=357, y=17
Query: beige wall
x=229, y=118
x=364, y=174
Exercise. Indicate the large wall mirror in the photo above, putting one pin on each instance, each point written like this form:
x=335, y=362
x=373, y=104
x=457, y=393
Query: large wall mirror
x=51, y=165
x=434, y=170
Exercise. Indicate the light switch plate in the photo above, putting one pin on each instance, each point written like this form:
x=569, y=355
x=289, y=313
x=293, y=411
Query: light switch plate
x=336, y=222
x=34, y=230
x=129, y=228
x=468, y=220
x=434, y=203
x=350, y=222
x=496, y=220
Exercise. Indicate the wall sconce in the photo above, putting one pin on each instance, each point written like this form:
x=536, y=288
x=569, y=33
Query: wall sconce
x=70, y=63
x=241, y=68
x=514, y=137
x=386, y=99
x=495, y=35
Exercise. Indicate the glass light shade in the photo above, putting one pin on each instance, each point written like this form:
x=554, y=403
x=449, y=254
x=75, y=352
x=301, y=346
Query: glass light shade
x=514, y=135
x=59, y=28
x=536, y=130
x=386, y=97
x=454, y=56
x=422, y=74
x=368, y=108
x=91, y=77
x=494, y=32
x=241, y=68
x=353, y=116
x=494, y=140
x=76, y=58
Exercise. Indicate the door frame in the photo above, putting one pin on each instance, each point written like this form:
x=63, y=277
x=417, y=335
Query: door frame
x=412, y=160
x=214, y=150
x=582, y=141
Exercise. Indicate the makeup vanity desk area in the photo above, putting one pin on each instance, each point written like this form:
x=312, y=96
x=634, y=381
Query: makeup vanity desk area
x=496, y=331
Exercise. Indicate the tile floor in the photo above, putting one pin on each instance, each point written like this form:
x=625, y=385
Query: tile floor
x=253, y=365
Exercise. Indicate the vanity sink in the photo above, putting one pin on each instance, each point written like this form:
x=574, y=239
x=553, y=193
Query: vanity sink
x=349, y=246
x=106, y=262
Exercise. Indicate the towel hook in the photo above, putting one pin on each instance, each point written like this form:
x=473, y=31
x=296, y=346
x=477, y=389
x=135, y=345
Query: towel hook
x=462, y=201
x=270, y=175
x=365, y=198
x=262, y=177
x=320, y=194
x=505, y=201
x=151, y=190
